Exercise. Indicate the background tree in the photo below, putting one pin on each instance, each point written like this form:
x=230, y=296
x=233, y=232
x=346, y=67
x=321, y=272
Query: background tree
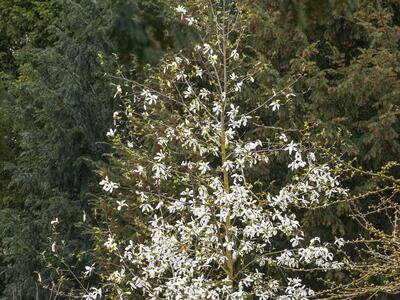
x=59, y=102
x=51, y=84
x=18, y=18
x=347, y=54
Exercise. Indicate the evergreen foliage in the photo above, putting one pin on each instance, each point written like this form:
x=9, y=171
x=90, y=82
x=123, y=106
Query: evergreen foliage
x=349, y=90
x=56, y=105
x=55, y=55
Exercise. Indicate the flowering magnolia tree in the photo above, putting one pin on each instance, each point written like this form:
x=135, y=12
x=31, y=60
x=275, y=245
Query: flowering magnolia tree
x=187, y=146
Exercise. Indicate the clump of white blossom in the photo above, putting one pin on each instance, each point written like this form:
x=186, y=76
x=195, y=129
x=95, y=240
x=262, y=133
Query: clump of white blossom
x=212, y=234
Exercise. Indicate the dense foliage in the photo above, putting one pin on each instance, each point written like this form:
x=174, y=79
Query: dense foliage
x=56, y=106
x=56, y=103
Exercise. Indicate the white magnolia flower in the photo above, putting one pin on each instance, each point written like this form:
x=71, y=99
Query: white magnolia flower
x=111, y=133
x=204, y=167
x=89, y=270
x=233, y=76
x=191, y=21
x=121, y=204
x=149, y=97
x=291, y=147
x=159, y=156
x=118, y=92
x=108, y=185
x=207, y=49
x=315, y=240
x=188, y=92
x=204, y=93
x=238, y=86
x=110, y=244
x=152, y=99
x=283, y=137
x=234, y=55
x=55, y=221
x=197, y=48
x=339, y=242
x=217, y=108
x=199, y=72
x=296, y=241
x=181, y=75
x=139, y=170
x=180, y=9
x=290, y=95
x=275, y=105
x=213, y=59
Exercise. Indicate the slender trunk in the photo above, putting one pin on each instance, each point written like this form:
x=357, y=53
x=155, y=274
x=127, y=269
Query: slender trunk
x=229, y=256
